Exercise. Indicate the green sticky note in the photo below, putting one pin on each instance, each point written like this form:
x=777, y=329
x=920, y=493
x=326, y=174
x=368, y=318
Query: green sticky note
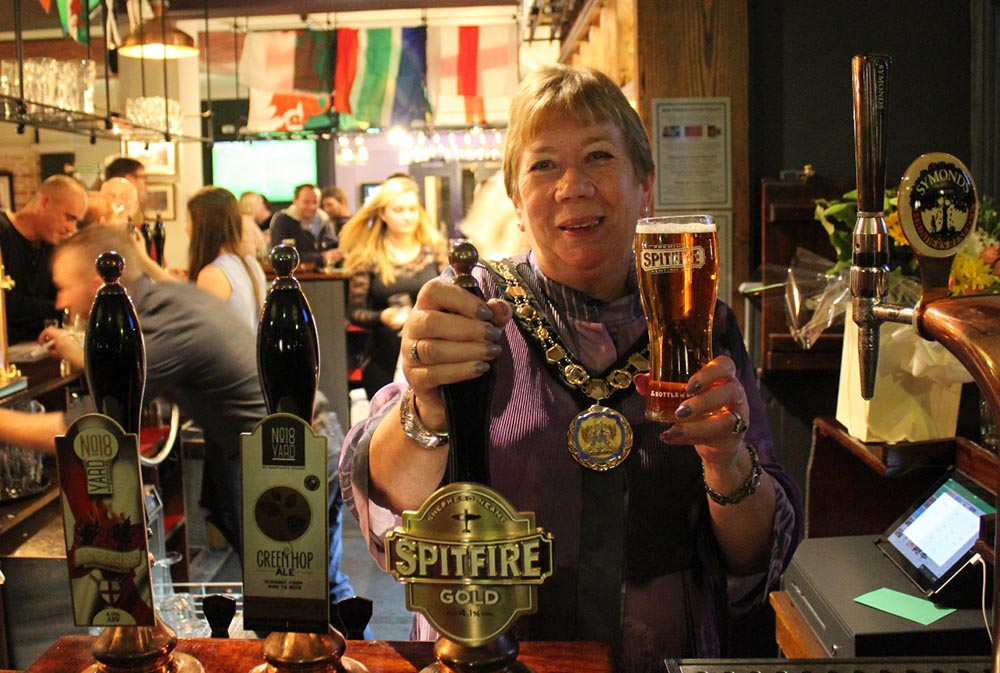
x=919, y=610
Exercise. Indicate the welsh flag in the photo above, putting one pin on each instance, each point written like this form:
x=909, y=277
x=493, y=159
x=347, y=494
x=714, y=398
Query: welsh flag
x=381, y=76
x=73, y=17
x=271, y=111
x=471, y=72
x=289, y=61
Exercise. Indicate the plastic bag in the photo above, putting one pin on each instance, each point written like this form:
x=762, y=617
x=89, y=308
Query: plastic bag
x=814, y=299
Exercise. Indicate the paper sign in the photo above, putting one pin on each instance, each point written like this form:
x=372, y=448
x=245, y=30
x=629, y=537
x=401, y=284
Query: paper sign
x=915, y=609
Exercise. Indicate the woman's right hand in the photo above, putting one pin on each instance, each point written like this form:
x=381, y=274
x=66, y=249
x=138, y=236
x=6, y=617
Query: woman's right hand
x=450, y=335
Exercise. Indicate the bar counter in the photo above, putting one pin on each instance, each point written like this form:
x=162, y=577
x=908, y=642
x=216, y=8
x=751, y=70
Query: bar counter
x=72, y=653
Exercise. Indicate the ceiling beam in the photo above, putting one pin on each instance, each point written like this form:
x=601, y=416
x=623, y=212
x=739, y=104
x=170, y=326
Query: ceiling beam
x=189, y=9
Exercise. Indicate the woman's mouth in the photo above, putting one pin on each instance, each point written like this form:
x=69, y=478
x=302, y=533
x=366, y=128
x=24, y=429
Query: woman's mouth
x=578, y=225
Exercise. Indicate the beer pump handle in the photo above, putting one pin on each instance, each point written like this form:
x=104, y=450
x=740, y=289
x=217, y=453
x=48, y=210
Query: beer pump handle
x=287, y=343
x=468, y=402
x=870, y=261
x=870, y=78
x=114, y=354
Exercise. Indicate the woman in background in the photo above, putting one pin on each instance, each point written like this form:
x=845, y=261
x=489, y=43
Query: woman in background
x=218, y=261
x=392, y=250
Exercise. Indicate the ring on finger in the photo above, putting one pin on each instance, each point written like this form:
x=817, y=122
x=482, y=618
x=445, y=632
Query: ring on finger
x=414, y=353
x=740, y=426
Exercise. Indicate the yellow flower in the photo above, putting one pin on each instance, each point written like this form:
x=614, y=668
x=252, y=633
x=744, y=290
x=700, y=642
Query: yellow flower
x=895, y=228
x=970, y=275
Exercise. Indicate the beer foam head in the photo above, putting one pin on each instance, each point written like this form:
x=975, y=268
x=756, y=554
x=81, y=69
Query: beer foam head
x=676, y=224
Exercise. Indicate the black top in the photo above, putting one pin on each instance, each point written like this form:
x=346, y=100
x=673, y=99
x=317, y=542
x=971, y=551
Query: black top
x=33, y=297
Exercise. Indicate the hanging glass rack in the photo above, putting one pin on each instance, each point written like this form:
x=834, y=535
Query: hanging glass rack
x=24, y=112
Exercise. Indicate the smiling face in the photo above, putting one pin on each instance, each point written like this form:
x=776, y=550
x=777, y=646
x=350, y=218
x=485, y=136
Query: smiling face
x=307, y=201
x=578, y=198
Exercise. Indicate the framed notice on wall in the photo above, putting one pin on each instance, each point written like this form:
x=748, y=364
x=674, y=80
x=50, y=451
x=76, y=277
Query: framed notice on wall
x=692, y=149
x=6, y=190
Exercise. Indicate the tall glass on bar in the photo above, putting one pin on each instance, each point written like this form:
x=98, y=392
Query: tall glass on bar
x=677, y=264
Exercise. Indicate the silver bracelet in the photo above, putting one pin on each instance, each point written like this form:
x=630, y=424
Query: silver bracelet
x=415, y=428
x=748, y=488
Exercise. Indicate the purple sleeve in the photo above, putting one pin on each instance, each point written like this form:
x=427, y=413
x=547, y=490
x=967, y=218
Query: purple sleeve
x=789, y=513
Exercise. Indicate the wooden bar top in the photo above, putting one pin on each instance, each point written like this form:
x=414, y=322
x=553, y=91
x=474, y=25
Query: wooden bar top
x=71, y=654
x=302, y=274
x=794, y=637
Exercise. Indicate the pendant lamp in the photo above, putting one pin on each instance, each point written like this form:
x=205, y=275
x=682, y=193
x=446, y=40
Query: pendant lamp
x=157, y=38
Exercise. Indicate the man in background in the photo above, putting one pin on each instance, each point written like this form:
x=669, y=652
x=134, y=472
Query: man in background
x=27, y=239
x=199, y=356
x=132, y=170
x=309, y=227
x=333, y=201
x=125, y=201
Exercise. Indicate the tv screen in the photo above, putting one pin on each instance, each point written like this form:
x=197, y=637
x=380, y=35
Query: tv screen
x=270, y=167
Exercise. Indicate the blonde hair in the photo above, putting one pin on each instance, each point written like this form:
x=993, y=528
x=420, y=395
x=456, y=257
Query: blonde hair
x=363, y=235
x=249, y=201
x=560, y=92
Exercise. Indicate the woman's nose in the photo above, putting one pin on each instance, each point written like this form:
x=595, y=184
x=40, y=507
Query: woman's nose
x=575, y=182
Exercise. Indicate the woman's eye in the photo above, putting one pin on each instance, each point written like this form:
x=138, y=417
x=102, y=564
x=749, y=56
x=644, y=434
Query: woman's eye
x=542, y=164
x=600, y=154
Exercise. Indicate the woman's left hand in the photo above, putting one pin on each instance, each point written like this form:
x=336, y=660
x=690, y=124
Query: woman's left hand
x=710, y=418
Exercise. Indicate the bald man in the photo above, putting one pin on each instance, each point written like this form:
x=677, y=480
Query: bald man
x=27, y=238
x=100, y=210
x=125, y=200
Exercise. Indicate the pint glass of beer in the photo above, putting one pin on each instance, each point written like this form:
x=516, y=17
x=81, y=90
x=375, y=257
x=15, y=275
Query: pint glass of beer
x=677, y=264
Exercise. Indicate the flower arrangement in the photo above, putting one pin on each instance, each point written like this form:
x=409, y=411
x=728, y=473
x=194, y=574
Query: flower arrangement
x=975, y=270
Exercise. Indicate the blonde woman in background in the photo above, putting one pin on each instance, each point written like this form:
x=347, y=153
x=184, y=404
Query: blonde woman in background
x=256, y=216
x=218, y=261
x=392, y=248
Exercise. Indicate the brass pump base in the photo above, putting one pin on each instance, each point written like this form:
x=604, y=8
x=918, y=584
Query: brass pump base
x=307, y=653
x=498, y=656
x=140, y=649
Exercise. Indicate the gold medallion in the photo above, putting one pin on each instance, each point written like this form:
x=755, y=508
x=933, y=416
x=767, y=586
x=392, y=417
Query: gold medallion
x=599, y=438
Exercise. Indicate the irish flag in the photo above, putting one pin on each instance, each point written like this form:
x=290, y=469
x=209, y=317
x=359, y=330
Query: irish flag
x=381, y=75
x=471, y=73
x=289, y=60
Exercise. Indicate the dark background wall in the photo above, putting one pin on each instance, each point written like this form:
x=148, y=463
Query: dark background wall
x=800, y=86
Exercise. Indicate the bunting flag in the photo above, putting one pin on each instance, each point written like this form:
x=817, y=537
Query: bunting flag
x=471, y=72
x=270, y=112
x=73, y=15
x=289, y=61
x=46, y=5
x=381, y=75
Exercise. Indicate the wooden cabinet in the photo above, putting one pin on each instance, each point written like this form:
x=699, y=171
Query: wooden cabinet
x=859, y=488
x=787, y=223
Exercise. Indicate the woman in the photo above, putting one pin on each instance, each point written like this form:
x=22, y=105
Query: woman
x=393, y=249
x=643, y=551
x=217, y=259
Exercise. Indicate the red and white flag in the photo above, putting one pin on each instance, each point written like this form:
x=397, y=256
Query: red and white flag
x=471, y=73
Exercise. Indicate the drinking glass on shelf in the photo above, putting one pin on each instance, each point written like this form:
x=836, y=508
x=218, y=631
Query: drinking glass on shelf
x=10, y=87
